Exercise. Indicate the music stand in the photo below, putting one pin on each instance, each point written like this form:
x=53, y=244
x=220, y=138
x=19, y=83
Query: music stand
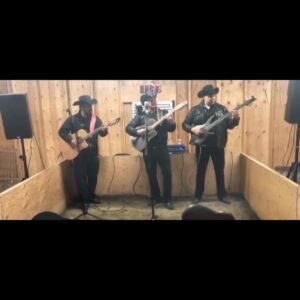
x=293, y=171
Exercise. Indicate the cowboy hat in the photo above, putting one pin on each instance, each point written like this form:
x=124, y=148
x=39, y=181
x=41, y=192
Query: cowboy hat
x=208, y=90
x=85, y=100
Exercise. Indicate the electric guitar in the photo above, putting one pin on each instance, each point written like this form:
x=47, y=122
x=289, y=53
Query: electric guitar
x=68, y=152
x=198, y=140
x=139, y=143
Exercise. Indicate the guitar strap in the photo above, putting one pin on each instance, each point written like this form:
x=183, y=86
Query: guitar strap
x=93, y=120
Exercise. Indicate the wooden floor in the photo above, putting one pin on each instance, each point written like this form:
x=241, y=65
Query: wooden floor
x=136, y=208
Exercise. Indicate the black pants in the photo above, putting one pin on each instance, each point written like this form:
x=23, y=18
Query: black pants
x=86, y=167
x=161, y=156
x=218, y=158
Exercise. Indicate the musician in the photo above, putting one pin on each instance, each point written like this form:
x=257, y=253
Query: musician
x=216, y=141
x=157, y=147
x=86, y=164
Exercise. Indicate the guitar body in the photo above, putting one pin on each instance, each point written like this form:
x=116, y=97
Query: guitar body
x=70, y=153
x=67, y=152
x=139, y=143
x=198, y=140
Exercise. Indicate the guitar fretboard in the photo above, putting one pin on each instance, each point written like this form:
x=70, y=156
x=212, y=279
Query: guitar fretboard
x=221, y=119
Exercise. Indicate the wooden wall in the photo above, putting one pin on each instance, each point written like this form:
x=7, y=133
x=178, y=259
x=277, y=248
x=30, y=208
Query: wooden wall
x=270, y=195
x=49, y=190
x=262, y=132
x=126, y=175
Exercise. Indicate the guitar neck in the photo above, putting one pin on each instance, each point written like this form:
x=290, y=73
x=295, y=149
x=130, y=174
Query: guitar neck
x=163, y=118
x=93, y=133
x=221, y=119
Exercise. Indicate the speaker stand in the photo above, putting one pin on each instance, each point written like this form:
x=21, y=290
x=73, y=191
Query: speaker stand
x=23, y=157
x=293, y=171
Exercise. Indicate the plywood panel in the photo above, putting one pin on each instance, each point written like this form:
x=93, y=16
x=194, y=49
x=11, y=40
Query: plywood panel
x=182, y=94
x=271, y=195
x=130, y=90
x=127, y=175
x=230, y=95
x=283, y=141
x=257, y=120
x=48, y=117
x=48, y=190
x=58, y=112
x=108, y=108
x=127, y=117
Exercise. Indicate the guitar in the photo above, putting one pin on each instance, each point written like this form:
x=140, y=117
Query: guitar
x=67, y=152
x=198, y=140
x=139, y=143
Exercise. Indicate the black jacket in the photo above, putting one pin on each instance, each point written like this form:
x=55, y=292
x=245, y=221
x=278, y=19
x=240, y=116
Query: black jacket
x=199, y=114
x=162, y=130
x=77, y=122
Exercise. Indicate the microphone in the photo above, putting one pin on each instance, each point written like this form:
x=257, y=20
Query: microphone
x=142, y=108
x=146, y=105
x=139, y=108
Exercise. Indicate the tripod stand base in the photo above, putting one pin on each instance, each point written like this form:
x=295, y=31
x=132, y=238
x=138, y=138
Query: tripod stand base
x=86, y=213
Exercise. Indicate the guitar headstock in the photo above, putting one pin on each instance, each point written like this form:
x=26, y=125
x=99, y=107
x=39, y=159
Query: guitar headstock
x=114, y=121
x=249, y=100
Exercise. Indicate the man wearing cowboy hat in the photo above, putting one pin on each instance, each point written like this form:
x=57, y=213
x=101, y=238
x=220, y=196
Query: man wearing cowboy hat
x=86, y=164
x=157, y=148
x=216, y=140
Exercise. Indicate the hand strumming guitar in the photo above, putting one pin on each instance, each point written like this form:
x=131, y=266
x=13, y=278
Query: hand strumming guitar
x=197, y=130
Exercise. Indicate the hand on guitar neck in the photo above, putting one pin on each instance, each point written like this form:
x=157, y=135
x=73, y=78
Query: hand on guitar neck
x=73, y=143
x=234, y=115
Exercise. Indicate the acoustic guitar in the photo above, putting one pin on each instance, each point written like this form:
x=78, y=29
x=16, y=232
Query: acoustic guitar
x=139, y=143
x=68, y=152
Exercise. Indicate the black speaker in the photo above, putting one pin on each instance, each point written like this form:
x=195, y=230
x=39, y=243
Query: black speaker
x=292, y=108
x=15, y=116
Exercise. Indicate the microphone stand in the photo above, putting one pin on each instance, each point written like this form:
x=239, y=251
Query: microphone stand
x=85, y=206
x=146, y=153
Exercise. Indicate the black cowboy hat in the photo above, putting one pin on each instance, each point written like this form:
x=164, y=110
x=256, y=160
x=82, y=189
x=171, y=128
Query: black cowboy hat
x=85, y=100
x=208, y=90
